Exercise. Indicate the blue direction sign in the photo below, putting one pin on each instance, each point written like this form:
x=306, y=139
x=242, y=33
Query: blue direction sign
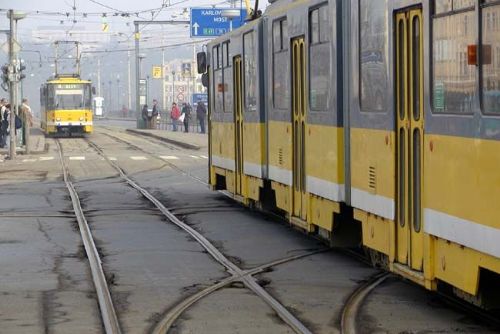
x=212, y=22
x=203, y=97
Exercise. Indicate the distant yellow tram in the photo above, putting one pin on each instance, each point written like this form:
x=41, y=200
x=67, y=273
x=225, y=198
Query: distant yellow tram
x=66, y=106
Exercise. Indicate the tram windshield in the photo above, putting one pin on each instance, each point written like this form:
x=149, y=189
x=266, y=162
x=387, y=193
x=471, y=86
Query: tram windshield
x=70, y=96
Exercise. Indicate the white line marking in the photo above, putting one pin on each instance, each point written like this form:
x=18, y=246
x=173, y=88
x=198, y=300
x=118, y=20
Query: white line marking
x=194, y=157
x=169, y=157
x=204, y=156
x=139, y=158
x=29, y=160
x=76, y=158
x=46, y=158
x=112, y=158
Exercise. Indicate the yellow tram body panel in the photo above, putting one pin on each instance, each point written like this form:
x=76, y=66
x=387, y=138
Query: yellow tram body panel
x=324, y=172
x=461, y=212
x=223, y=157
x=460, y=225
x=55, y=118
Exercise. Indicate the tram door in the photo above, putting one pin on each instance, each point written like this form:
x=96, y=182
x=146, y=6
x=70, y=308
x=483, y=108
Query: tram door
x=238, y=125
x=298, y=131
x=409, y=108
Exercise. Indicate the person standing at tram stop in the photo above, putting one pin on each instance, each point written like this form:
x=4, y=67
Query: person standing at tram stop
x=174, y=115
x=4, y=123
x=186, y=110
x=27, y=118
x=144, y=115
x=154, y=114
x=201, y=114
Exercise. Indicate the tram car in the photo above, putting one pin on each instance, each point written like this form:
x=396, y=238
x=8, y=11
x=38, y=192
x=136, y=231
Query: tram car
x=66, y=106
x=373, y=122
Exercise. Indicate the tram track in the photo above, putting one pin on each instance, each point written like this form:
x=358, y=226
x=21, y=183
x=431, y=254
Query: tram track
x=107, y=310
x=348, y=321
x=237, y=274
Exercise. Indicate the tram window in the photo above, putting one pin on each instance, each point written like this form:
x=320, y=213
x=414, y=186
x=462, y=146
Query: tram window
x=374, y=85
x=226, y=55
x=280, y=35
x=250, y=69
x=218, y=89
x=491, y=59
x=454, y=80
x=314, y=26
x=318, y=25
x=281, y=94
x=227, y=78
x=319, y=54
x=215, y=56
x=445, y=6
x=276, y=36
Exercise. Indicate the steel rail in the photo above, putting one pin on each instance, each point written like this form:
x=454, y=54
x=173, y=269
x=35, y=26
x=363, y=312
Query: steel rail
x=169, y=163
x=354, y=302
x=250, y=282
x=164, y=324
x=108, y=313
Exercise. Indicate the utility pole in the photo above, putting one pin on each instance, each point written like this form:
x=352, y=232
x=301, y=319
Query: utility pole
x=163, y=79
x=14, y=78
x=137, y=69
x=129, y=88
x=99, y=76
x=173, y=86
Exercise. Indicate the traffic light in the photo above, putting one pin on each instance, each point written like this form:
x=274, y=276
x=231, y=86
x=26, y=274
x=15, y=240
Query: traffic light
x=19, y=71
x=5, y=77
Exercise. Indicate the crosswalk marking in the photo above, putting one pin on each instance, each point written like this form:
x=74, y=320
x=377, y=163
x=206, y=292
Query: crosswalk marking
x=194, y=157
x=29, y=160
x=204, y=156
x=76, y=158
x=112, y=158
x=169, y=157
x=139, y=158
x=46, y=158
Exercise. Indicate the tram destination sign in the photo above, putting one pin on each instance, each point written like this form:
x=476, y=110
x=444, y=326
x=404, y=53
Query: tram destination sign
x=213, y=22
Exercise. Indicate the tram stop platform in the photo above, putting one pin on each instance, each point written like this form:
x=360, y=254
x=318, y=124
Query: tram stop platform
x=190, y=140
x=37, y=141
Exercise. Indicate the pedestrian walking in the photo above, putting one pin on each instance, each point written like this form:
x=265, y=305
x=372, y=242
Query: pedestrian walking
x=154, y=114
x=186, y=111
x=174, y=115
x=201, y=114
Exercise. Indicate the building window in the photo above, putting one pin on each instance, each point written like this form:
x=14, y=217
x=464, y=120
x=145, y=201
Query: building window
x=454, y=80
x=281, y=91
x=374, y=83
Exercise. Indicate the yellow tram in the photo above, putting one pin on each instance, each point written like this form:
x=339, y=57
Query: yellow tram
x=66, y=106
x=354, y=121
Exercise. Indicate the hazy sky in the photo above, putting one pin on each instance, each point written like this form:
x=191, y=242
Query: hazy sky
x=93, y=11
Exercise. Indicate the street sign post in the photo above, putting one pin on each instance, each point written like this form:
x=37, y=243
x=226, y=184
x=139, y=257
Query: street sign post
x=211, y=22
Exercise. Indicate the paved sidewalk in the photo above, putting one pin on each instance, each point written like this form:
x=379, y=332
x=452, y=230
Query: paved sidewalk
x=192, y=141
x=37, y=140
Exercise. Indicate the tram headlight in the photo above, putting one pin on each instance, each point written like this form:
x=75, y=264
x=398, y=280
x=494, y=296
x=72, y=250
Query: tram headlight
x=58, y=119
x=81, y=118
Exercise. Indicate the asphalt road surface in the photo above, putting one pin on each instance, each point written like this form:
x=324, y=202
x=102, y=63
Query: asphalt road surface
x=216, y=268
